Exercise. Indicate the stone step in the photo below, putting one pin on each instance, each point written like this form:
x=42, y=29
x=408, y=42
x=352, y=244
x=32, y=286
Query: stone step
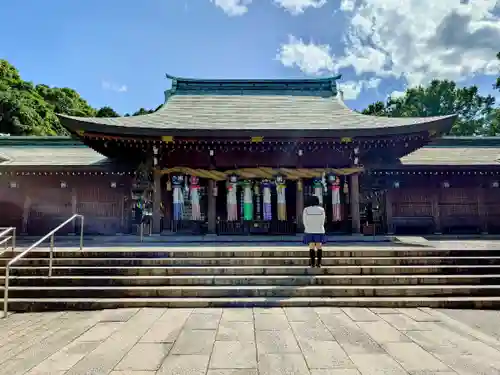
x=103, y=280
x=250, y=252
x=255, y=270
x=284, y=291
x=257, y=261
x=42, y=304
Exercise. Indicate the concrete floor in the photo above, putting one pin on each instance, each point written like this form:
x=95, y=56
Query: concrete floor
x=289, y=341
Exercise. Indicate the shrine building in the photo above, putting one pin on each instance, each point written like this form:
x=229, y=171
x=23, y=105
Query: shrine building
x=242, y=157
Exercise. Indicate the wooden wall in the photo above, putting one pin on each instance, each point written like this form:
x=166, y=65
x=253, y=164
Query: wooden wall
x=39, y=203
x=451, y=210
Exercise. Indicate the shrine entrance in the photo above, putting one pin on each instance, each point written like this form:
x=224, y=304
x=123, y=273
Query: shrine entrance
x=333, y=194
x=251, y=201
x=258, y=206
x=184, y=204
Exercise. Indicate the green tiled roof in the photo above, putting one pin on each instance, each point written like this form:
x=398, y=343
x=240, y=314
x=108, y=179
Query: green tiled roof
x=47, y=151
x=294, y=107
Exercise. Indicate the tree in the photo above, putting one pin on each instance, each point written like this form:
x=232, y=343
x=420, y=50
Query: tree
x=26, y=109
x=497, y=83
x=143, y=111
x=495, y=123
x=106, y=112
x=475, y=112
x=377, y=109
x=22, y=110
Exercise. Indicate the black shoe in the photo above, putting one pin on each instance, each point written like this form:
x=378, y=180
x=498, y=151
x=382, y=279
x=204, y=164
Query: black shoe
x=312, y=257
x=318, y=260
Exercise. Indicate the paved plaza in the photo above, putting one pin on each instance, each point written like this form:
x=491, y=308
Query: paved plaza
x=288, y=341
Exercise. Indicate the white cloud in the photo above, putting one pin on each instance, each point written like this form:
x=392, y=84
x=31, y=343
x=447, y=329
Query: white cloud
x=412, y=40
x=397, y=94
x=352, y=89
x=110, y=86
x=308, y=57
x=233, y=7
x=299, y=6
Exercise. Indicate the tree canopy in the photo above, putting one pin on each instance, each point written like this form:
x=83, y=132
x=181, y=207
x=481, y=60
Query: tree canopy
x=497, y=83
x=477, y=114
x=29, y=109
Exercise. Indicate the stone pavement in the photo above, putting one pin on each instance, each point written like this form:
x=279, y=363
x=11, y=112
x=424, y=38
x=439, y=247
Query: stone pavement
x=288, y=341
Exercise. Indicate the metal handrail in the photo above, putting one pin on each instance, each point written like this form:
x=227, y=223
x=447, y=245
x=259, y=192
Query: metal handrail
x=4, y=237
x=20, y=256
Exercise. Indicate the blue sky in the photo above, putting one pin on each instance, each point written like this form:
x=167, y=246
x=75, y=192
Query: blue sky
x=116, y=52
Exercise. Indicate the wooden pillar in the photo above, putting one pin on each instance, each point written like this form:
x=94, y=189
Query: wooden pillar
x=157, y=203
x=481, y=210
x=354, y=199
x=212, y=207
x=436, y=211
x=388, y=211
x=299, y=204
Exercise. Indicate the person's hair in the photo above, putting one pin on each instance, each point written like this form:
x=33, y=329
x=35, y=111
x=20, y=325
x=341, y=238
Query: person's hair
x=312, y=201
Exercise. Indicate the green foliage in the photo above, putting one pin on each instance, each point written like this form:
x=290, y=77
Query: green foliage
x=497, y=83
x=28, y=109
x=143, y=111
x=476, y=113
x=106, y=112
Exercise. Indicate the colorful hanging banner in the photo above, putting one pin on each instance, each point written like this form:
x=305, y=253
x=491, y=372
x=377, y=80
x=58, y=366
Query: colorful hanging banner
x=232, y=198
x=247, y=200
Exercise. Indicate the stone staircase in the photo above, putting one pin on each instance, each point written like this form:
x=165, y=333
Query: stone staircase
x=382, y=276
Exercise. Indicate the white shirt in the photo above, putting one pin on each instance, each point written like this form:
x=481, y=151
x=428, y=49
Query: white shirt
x=314, y=219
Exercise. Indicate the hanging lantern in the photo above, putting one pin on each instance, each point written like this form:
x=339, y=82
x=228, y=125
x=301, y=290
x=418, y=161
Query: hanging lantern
x=233, y=180
x=232, y=199
x=194, y=189
x=331, y=178
x=318, y=189
x=256, y=189
x=335, y=198
x=177, y=197
x=267, y=213
x=281, y=197
x=346, y=188
x=247, y=200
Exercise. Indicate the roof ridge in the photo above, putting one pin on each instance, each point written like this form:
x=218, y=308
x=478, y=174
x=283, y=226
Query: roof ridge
x=326, y=86
x=243, y=80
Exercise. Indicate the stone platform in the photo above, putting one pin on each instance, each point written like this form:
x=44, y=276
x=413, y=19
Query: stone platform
x=275, y=341
x=172, y=238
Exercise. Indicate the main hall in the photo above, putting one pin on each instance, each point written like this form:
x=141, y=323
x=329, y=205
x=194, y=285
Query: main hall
x=241, y=157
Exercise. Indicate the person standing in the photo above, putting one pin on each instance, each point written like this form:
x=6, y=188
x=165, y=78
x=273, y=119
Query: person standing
x=313, y=218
